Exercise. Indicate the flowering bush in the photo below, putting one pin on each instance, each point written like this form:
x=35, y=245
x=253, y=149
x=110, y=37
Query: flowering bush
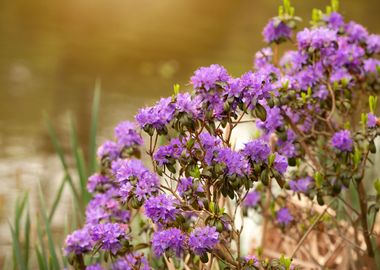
x=187, y=210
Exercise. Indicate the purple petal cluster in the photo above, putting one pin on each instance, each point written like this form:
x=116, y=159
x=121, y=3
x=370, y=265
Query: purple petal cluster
x=109, y=149
x=188, y=104
x=301, y=185
x=284, y=217
x=105, y=207
x=208, y=77
x=334, y=21
x=280, y=163
x=96, y=266
x=276, y=31
x=109, y=236
x=234, y=161
x=126, y=135
x=172, y=240
x=373, y=44
x=203, y=239
x=257, y=151
x=98, y=181
x=252, y=199
x=342, y=140
x=132, y=173
x=78, y=242
x=132, y=261
x=188, y=185
x=317, y=38
x=251, y=260
x=161, y=208
x=157, y=116
x=371, y=120
x=172, y=151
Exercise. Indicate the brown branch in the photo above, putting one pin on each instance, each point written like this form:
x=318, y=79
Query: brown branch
x=310, y=229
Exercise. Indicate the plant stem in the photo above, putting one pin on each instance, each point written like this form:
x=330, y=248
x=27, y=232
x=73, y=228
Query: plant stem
x=363, y=218
x=310, y=229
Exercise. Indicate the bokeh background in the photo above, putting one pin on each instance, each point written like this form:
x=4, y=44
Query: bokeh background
x=51, y=53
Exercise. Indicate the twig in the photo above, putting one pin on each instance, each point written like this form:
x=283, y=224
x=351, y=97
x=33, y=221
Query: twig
x=310, y=229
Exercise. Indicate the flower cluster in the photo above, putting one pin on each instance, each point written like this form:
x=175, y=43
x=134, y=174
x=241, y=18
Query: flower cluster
x=308, y=143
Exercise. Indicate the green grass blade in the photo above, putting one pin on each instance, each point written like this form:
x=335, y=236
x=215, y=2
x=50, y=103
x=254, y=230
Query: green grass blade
x=19, y=260
x=53, y=254
x=20, y=206
x=59, y=150
x=27, y=238
x=57, y=198
x=43, y=252
x=79, y=160
x=40, y=260
x=94, y=126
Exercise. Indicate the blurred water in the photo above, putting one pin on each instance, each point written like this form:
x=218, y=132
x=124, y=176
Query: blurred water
x=51, y=53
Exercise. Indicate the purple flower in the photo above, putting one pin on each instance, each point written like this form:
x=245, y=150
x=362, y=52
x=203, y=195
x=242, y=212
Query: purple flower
x=147, y=185
x=280, y=163
x=373, y=44
x=252, y=260
x=104, y=207
x=109, y=149
x=263, y=58
x=187, y=184
x=276, y=31
x=252, y=199
x=171, y=240
x=234, y=161
x=210, y=144
x=126, y=135
x=97, y=181
x=371, y=120
x=161, y=208
x=284, y=217
x=274, y=120
x=356, y=32
x=157, y=116
x=144, y=181
x=287, y=147
x=342, y=140
x=208, y=77
x=317, y=38
x=334, y=20
x=78, y=242
x=166, y=152
x=301, y=185
x=202, y=240
x=188, y=104
x=109, y=235
x=371, y=65
x=257, y=150
x=129, y=170
x=94, y=267
x=131, y=262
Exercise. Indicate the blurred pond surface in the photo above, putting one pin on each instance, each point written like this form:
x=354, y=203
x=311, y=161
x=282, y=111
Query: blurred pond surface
x=51, y=53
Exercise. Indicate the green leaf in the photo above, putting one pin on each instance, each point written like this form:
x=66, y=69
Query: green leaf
x=94, y=126
x=59, y=150
x=372, y=100
x=376, y=185
x=318, y=179
x=53, y=255
x=27, y=238
x=57, y=198
x=176, y=88
x=195, y=172
x=335, y=5
x=19, y=260
x=80, y=163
